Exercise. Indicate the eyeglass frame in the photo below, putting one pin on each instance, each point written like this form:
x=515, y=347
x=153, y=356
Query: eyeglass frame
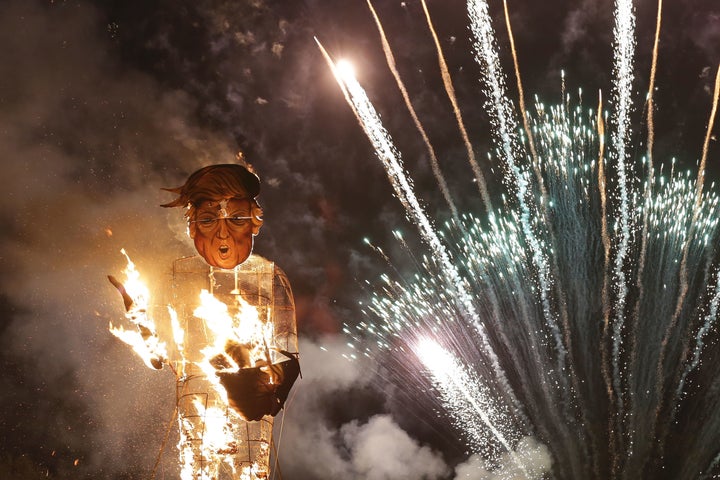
x=208, y=224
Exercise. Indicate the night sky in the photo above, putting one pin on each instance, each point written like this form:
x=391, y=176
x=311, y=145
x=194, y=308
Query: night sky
x=103, y=103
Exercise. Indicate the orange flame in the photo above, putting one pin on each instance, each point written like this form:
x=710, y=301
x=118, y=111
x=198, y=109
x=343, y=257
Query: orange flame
x=243, y=330
x=143, y=341
x=238, y=338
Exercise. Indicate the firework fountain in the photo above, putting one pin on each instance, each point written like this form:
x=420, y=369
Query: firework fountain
x=581, y=312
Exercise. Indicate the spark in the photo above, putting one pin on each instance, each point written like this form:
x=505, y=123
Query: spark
x=505, y=127
x=406, y=97
x=624, y=31
x=462, y=390
x=521, y=287
x=345, y=69
x=390, y=157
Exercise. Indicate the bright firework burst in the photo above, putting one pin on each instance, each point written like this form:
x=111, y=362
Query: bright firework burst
x=581, y=311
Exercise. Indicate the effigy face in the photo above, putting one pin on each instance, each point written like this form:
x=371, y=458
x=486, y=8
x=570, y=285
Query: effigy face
x=222, y=213
x=223, y=231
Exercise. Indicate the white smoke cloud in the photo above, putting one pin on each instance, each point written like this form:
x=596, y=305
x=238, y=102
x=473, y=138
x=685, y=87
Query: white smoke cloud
x=530, y=453
x=381, y=450
x=315, y=447
x=578, y=22
x=704, y=32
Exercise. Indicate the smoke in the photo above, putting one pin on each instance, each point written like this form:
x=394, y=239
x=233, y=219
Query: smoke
x=318, y=444
x=87, y=144
x=381, y=450
x=535, y=458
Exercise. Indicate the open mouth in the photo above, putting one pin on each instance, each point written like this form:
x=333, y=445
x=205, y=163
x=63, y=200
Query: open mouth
x=224, y=249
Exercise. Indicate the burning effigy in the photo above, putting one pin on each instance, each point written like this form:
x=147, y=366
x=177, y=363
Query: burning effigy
x=225, y=326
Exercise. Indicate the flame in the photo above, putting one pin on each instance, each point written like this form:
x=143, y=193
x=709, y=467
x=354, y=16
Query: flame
x=134, y=286
x=239, y=335
x=178, y=332
x=238, y=338
x=143, y=341
x=244, y=329
x=210, y=439
x=150, y=350
x=213, y=440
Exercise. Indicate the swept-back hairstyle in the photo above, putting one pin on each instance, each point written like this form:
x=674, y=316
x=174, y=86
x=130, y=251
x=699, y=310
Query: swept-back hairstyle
x=215, y=182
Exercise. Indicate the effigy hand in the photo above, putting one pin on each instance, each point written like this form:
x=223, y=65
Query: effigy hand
x=262, y=390
x=127, y=300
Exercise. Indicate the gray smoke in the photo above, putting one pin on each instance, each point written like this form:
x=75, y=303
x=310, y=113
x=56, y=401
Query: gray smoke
x=533, y=455
x=375, y=448
x=86, y=147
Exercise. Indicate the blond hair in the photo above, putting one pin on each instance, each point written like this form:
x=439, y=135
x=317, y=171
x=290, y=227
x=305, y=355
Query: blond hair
x=215, y=182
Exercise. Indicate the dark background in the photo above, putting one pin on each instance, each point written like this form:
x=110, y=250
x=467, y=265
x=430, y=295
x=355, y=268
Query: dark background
x=102, y=103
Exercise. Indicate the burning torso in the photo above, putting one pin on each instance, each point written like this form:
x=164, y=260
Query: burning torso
x=229, y=328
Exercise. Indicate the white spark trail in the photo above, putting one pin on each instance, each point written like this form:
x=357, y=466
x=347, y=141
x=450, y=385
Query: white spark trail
x=624, y=32
x=390, y=157
x=647, y=199
x=460, y=389
x=505, y=126
x=709, y=321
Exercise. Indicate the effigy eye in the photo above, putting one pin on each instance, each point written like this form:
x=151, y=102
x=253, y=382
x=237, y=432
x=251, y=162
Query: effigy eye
x=206, y=222
x=238, y=221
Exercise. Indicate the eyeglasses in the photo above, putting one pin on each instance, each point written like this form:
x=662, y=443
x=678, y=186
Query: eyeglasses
x=208, y=223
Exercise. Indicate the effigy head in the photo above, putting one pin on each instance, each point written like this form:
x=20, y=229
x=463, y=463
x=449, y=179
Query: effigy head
x=222, y=213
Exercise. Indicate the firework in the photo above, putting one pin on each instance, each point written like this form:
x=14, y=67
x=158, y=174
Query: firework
x=581, y=310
